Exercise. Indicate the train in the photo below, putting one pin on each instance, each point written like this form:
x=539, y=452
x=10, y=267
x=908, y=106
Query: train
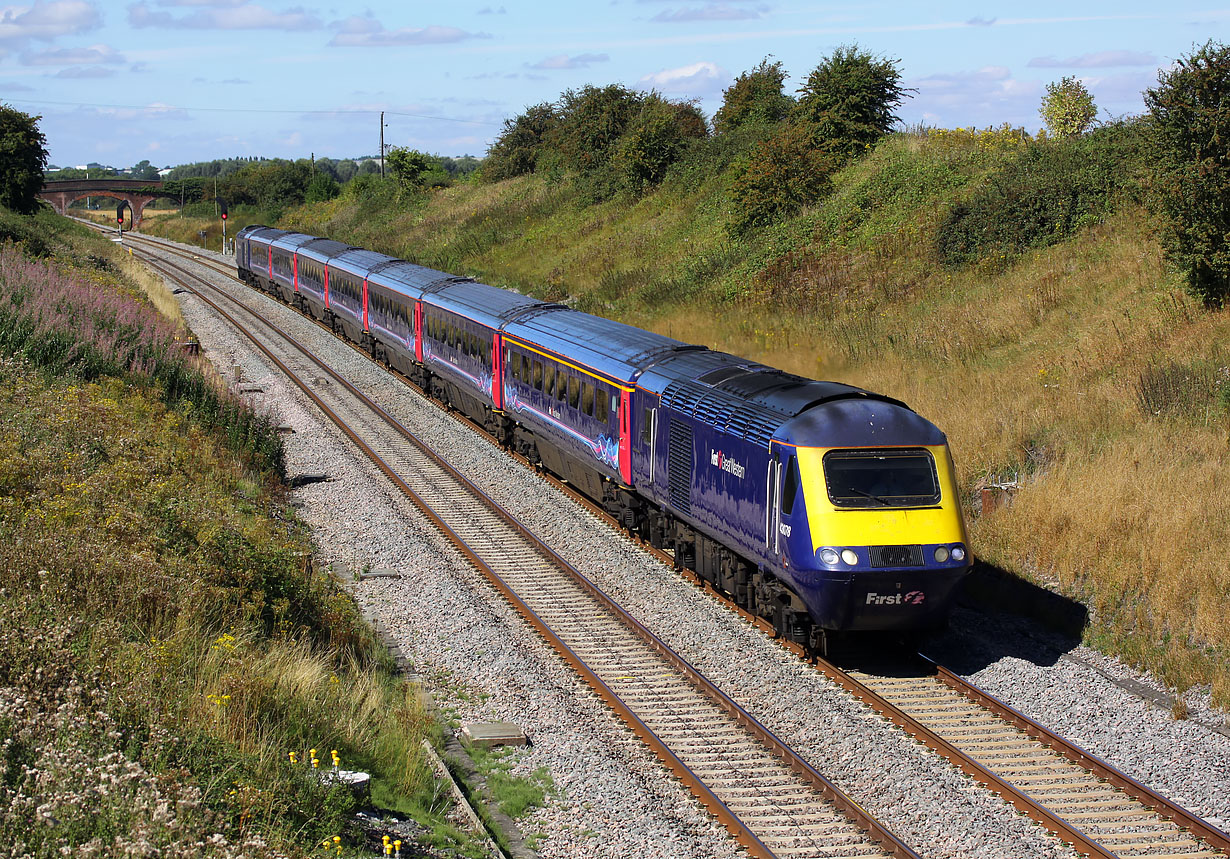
x=822, y=507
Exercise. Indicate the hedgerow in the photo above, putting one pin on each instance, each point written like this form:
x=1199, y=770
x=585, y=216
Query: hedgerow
x=1051, y=190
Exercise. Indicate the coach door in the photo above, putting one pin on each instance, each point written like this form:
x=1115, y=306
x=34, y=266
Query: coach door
x=773, y=507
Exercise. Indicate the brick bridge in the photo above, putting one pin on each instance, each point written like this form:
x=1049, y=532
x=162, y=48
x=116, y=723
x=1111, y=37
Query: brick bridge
x=138, y=193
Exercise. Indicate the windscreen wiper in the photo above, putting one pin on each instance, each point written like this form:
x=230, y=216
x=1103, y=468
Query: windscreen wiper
x=879, y=498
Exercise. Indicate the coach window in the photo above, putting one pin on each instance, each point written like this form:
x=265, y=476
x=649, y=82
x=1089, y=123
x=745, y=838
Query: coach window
x=574, y=391
x=587, y=398
x=537, y=374
x=600, y=407
x=548, y=386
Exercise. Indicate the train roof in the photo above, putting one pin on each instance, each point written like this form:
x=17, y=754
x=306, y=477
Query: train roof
x=760, y=403
x=613, y=348
x=358, y=261
x=405, y=278
x=291, y=241
x=322, y=250
x=251, y=231
x=481, y=302
x=868, y=421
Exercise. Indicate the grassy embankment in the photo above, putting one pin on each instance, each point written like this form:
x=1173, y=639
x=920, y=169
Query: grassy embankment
x=164, y=640
x=1078, y=369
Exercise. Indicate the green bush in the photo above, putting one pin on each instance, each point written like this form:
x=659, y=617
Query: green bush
x=703, y=158
x=755, y=97
x=1190, y=160
x=322, y=187
x=517, y=150
x=591, y=121
x=656, y=136
x=1067, y=108
x=1050, y=191
x=850, y=97
x=784, y=173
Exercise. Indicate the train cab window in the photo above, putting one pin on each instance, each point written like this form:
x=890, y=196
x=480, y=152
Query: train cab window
x=537, y=374
x=868, y=478
x=790, y=487
x=548, y=386
x=587, y=398
x=600, y=411
x=646, y=425
x=574, y=391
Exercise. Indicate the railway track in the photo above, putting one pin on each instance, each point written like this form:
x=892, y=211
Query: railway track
x=1087, y=803
x=770, y=799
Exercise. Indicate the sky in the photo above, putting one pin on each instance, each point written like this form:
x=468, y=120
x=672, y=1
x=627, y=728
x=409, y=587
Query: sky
x=177, y=81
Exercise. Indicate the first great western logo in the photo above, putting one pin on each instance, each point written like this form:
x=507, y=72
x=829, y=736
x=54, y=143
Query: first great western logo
x=724, y=463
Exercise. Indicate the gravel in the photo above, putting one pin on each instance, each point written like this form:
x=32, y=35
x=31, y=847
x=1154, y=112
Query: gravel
x=612, y=798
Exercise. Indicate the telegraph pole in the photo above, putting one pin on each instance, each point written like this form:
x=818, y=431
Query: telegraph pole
x=382, y=144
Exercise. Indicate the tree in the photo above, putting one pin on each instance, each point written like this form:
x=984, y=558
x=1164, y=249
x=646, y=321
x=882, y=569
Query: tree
x=321, y=187
x=1190, y=157
x=272, y=185
x=515, y=152
x=784, y=173
x=655, y=137
x=850, y=98
x=591, y=120
x=410, y=167
x=144, y=170
x=755, y=96
x=1067, y=108
x=23, y=160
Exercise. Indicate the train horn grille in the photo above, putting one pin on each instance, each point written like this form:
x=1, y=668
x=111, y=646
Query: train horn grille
x=896, y=556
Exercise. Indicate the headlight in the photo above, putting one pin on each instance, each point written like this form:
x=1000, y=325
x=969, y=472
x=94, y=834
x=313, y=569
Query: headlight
x=828, y=556
x=849, y=556
x=941, y=554
x=958, y=553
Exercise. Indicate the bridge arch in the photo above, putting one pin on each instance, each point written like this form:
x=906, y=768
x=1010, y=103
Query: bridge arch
x=137, y=193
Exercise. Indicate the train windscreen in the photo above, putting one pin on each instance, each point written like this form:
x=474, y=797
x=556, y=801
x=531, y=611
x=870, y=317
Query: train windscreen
x=881, y=478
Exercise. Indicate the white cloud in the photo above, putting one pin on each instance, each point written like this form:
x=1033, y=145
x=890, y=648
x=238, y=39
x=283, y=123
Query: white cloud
x=244, y=16
x=563, y=61
x=367, y=32
x=93, y=55
x=978, y=98
x=47, y=21
x=708, y=12
x=1098, y=60
x=84, y=72
x=695, y=79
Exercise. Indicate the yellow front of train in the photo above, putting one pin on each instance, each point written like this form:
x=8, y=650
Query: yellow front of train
x=881, y=542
